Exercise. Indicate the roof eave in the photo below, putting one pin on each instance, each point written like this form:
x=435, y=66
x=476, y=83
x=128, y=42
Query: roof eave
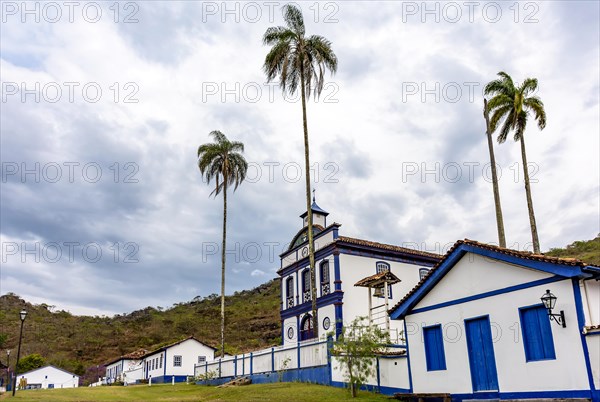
x=459, y=249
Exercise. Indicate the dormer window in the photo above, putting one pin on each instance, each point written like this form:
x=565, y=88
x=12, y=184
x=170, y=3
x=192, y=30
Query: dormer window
x=422, y=273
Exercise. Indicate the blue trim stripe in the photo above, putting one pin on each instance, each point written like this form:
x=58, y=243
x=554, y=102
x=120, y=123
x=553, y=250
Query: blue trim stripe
x=331, y=298
x=488, y=294
x=337, y=276
x=410, y=382
x=569, y=394
x=568, y=271
x=580, y=325
x=316, y=236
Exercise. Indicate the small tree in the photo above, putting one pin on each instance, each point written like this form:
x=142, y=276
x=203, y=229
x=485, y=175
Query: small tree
x=30, y=362
x=356, y=349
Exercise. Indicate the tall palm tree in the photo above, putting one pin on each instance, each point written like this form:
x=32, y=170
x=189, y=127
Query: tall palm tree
x=514, y=104
x=499, y=219
x=222, y=160
x=300, y=61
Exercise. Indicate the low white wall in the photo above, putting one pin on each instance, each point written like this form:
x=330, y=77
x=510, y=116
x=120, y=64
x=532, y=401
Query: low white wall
x=313, y=355
x=394, y=372
x=339, y=373
x=131, y=376
x=261, y=361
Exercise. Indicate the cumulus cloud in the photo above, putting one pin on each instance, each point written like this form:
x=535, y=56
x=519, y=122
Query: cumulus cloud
x=101, y=122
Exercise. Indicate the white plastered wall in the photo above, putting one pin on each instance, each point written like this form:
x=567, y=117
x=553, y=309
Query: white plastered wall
x=566, y=372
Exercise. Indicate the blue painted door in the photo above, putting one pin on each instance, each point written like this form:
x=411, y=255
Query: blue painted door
x=481, y=354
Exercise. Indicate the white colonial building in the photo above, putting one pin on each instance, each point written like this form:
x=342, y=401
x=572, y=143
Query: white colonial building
x=127, y=368
x=354, y=278
x=47, y=377
x=175, y=362
x=477, y=327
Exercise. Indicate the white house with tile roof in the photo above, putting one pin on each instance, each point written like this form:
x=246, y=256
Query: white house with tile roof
x=127, y=368
x=47, y=377
x=341, y=263
x=477, y=327
x=176, y=361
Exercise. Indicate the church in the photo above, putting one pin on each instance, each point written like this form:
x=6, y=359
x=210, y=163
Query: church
x=354, y=277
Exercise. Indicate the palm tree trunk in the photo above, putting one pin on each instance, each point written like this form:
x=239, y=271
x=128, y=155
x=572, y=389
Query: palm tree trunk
x=311, y=245
x=499, y=219
x=223, y=266
x=534, y=233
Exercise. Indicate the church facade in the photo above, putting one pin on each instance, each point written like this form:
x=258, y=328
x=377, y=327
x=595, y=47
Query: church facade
x=352, y=280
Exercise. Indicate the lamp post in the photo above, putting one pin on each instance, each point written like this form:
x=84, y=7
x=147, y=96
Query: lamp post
x=22, y=315
x=549, y=301
x=7, y=368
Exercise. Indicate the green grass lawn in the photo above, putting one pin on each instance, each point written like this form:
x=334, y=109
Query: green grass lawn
x=285, y=392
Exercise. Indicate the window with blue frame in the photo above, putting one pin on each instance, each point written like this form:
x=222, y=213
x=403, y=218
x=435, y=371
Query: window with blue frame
x=324, y=273
x=537, y=333
x=306, y=294
x=289, y=292
x=434, y=348
x=423, y=273
x=380, y=267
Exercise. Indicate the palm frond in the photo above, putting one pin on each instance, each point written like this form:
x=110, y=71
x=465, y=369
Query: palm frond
x=506, y=127
x=295, y=59
x=293, y=19
x=537, y=106
x=497, y=115
x=520, y=125
x=528, y=86
x=222, y=161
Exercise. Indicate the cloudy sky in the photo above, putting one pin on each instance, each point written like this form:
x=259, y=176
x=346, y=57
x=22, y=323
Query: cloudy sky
x=104, y=104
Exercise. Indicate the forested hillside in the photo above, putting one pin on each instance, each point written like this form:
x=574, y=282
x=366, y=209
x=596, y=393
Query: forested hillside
x=80, y=343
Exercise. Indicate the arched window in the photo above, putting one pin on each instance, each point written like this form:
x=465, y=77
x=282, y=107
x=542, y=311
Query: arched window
x=289, y=292
x=306, y=296
x=306, y=329
x=422, y=273
x=324, y=276
x=381, y=266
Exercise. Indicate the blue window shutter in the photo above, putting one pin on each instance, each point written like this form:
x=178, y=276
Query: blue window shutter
x=434, y=348
x=547, y=342
x=537, y=334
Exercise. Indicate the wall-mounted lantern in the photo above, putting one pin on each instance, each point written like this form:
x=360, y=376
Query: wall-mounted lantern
x=549, y=301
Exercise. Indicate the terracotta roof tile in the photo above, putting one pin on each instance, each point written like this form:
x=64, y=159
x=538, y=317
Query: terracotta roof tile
x=135, y=355
x=521, y=254
x=400, y=352
x=141, y=353
x=375, y=279
x=390, y=247
x=177, y=343
x=138, y=354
